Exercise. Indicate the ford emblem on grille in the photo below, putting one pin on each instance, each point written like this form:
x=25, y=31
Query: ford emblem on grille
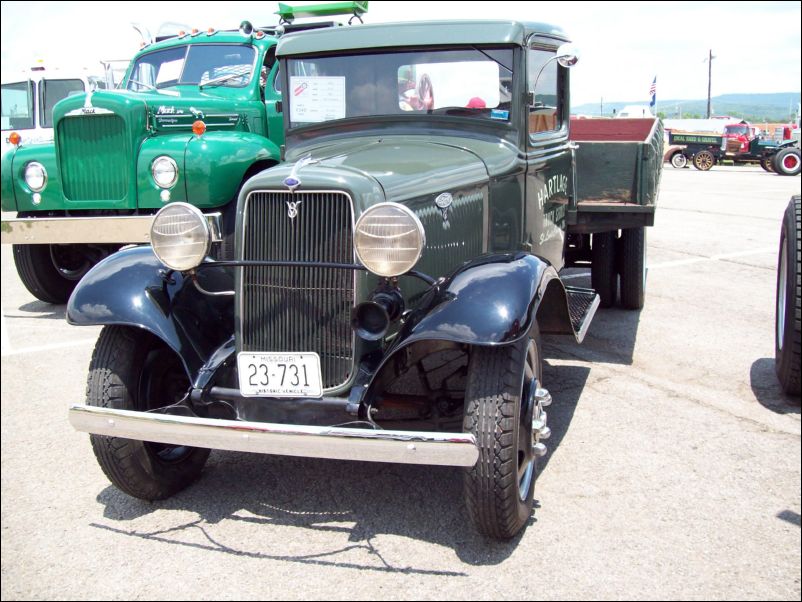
x=292, y=208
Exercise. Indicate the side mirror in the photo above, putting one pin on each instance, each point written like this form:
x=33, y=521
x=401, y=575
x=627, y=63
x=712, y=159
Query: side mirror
x=568, y=55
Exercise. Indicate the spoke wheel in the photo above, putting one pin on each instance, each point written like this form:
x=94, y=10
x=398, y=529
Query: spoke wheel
x=703, y=160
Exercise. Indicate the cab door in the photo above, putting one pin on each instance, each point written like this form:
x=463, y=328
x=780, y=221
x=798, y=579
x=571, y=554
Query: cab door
x=549, y=159
x=272, y=96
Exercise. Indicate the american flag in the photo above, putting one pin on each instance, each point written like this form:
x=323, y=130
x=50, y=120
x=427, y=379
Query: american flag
x=653, y=92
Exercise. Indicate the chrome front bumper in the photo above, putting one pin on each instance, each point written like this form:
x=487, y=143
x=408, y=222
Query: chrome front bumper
x=334, y=443
x=129, y=229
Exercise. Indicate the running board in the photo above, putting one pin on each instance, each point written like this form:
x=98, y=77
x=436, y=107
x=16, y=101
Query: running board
x=582, y=306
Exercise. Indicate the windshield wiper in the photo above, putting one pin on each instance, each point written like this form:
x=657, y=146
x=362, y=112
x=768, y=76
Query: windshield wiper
x=492, y=58
x=139, y=83
x=221, y=79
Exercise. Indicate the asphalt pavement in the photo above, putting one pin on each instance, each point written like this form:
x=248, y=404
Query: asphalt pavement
x=673, y=469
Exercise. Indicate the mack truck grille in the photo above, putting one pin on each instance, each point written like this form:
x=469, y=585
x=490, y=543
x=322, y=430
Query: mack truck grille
x=94, y=157
x=297, y=309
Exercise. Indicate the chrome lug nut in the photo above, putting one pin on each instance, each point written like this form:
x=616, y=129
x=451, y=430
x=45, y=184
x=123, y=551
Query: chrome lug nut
x=542, y=396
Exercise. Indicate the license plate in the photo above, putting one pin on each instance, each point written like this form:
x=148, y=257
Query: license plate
x=279, y=374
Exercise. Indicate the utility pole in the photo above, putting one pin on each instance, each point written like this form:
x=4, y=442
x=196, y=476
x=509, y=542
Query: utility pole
x=601, y=107
x=709, y=79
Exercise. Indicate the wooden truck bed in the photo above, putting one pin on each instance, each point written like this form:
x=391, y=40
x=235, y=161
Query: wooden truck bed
x=618, y=167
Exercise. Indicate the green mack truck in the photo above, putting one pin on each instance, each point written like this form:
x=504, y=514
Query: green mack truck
x=392, y=278
x=196, y=115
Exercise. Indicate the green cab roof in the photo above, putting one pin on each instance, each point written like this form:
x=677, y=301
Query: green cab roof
x=426, y=33
x=218, y=37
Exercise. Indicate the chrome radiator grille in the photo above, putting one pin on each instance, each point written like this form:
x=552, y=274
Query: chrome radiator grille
x=297, y=309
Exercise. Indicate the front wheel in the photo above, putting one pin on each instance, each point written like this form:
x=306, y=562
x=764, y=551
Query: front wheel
x=504, y=413
x=766, y=164
x=679, y=160
x=133, y=370
x=788, y=340
x=787, y=162
x=703, y=160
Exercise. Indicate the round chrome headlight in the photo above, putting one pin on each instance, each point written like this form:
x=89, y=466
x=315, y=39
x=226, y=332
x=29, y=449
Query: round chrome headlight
x=389, y=239
x=164, y=171
x=180, y=236
x=35, y=176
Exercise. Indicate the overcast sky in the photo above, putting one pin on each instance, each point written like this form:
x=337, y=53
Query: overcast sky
x=623, y=45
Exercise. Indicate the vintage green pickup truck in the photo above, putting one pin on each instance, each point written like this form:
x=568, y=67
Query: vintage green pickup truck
x=197, y=115
x=392, y=278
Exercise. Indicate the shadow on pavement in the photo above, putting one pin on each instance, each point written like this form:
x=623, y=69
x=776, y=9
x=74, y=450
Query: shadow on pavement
x=40, y=310
x=767, y=389
x=360, y=501
x=612, y=334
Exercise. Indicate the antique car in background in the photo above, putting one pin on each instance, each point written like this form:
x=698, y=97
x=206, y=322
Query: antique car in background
x=391, y=280
x=196, y=115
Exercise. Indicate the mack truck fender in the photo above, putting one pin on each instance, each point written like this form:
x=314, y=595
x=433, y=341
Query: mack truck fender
x=132, y=288
x=211, y=166
x=16, y=196
x=218, y=163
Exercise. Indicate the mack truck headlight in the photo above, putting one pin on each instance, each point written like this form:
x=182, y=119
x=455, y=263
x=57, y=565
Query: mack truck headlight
x=35, y=176
x=180, y=236
x=164, y=171
x=389, y=239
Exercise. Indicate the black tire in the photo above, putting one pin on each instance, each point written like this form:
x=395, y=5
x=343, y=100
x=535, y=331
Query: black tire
x=787, y=342
x=499, y=409
x=50, y=272
x=788, y=162
x=704, y=160
x=130, y=370
x=679, y=160
x=767, y=165
x=603, y=272
x=632, y=267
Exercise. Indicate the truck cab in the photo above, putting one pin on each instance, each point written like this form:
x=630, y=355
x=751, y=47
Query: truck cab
x=28, y=99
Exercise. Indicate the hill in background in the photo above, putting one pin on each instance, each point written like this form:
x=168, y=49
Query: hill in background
x=776, y=107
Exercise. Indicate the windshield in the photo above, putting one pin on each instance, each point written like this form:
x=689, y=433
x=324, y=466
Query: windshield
x=208, y=64
x=50, y=92
x=738, y=130
x=17, y=103
x=467, y=83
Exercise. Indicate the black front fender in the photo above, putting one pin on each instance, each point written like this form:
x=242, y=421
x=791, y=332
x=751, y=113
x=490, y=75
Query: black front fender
x=490, y=301
x=128, y=289
x=493, y=300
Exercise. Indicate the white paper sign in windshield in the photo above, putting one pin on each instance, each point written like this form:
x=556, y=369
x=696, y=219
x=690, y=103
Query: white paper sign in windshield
x=316, y=99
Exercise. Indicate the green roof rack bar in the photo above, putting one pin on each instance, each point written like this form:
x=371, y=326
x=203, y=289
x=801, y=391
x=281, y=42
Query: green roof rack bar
x=288, y=13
